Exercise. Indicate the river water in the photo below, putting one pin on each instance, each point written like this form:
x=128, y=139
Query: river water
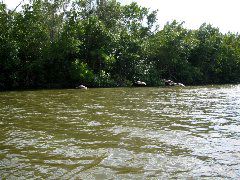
x=121, y=133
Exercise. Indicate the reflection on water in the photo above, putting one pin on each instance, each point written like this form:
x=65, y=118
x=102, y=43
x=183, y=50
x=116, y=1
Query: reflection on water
x=126, y=133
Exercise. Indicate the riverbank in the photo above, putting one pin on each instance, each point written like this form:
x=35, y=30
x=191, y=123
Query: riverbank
x=99, y=87
x=65, y=48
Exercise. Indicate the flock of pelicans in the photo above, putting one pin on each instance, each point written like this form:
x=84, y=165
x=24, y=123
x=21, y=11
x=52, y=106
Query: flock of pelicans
x=142, y=84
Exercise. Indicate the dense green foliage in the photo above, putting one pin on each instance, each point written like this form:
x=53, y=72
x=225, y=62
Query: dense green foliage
x=61, y=43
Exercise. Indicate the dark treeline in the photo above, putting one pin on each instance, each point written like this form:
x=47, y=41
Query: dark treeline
x=61, y=43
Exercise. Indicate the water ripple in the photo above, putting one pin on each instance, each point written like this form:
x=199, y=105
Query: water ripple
x=123, y=133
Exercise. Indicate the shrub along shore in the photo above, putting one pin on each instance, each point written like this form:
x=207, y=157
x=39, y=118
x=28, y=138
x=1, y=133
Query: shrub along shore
x=62, y=44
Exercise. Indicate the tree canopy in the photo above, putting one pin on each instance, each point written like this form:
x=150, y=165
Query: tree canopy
x=101, y=43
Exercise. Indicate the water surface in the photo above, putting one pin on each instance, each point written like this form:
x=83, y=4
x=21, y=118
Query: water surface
x=122, y=133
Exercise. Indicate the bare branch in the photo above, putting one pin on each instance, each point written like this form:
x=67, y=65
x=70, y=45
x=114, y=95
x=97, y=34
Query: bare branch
x=17, y=6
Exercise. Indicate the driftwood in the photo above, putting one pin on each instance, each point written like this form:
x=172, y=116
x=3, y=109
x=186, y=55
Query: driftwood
x=172, y=83
x=81, y=87
x=139, y=84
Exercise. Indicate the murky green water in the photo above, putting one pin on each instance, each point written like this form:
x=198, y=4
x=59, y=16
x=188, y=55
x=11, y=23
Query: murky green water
x=125, y=133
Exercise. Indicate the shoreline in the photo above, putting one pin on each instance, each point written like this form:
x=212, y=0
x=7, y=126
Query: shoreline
x=72, y=88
